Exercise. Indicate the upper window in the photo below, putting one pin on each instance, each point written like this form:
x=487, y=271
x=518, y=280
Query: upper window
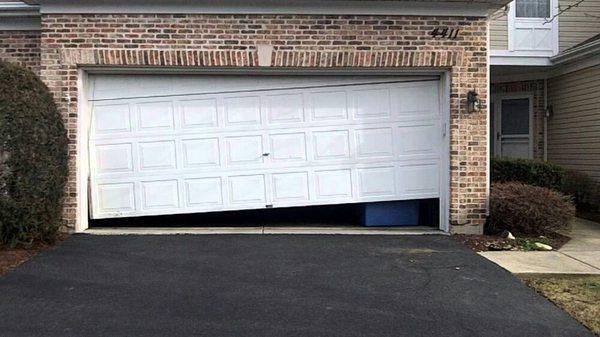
x=532, y=8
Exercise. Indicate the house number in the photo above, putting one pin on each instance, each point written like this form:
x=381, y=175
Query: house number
x=444, y=33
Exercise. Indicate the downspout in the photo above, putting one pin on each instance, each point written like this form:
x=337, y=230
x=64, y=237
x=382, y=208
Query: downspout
x=545, y=119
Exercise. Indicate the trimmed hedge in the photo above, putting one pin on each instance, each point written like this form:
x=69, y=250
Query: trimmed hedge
x=526, y=209
x=532, y=172
x=33, y=159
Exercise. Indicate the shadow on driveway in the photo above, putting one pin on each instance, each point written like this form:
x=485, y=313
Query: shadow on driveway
x=271, y=285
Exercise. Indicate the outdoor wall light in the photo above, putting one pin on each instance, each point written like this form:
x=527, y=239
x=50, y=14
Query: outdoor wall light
x=473, y=102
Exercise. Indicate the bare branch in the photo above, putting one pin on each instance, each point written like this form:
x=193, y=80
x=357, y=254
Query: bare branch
x=562, y=10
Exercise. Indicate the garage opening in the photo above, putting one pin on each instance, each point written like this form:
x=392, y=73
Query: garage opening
x=344, y=215
x=199, y=150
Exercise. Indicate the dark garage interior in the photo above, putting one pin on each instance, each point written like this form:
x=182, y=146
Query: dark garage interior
x=347, y=215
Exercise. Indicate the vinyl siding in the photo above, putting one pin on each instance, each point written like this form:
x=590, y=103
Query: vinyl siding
x=499, y=31
x=574, y=128
x=579, y=23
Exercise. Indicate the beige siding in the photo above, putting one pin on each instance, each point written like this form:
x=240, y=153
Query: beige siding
x=574, y=128
x=499, y=31
x=578, y=23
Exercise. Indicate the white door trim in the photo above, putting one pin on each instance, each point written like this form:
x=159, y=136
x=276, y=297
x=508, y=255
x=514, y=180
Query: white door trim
x=497, y=101
x=83, y=125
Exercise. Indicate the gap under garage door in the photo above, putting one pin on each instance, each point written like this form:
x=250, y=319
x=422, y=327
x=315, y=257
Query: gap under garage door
x=164, y=144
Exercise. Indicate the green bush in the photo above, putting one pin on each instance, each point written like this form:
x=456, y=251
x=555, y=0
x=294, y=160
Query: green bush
x=527, y=171
x=585, y=191
x=33, y=159
x=527, y=209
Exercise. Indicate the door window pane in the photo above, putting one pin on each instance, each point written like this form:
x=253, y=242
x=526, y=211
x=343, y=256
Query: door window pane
x=532, y=8
x=515, y=116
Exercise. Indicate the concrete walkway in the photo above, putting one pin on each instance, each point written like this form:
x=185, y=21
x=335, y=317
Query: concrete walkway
x=581, y=255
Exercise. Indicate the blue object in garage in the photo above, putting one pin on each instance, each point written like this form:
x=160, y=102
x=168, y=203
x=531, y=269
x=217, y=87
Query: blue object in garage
x=392, y=213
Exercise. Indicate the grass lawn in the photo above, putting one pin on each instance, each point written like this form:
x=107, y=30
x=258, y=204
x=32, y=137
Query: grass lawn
x=579, y=295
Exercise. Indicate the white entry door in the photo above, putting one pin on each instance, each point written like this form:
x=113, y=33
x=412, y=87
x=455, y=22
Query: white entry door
x=183, y=144
x=512, y=126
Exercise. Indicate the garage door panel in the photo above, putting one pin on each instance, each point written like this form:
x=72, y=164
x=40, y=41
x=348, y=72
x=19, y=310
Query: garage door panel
x=201, y=152
x=243, y=110
x=377, y=181
x=331, y=145
x=328, y=105
x=111, y=119
x=114, y=158
x=374, y=142
x=203, y=192
x=417, y=99
x=333, y=184
x=245, y=150
x=119, y=197
x=285, y=108
x=419, y=180
x=199, y=113
x=371, y=103
x=287, y=147
x=153, y=116
x=292, y=147
x=160, y=194
x=418, y=139
x=291, y=186
x=247, y=189
x=159, y=155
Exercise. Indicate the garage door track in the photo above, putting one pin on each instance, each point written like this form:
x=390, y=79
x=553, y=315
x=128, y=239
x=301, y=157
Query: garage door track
x=252, y=285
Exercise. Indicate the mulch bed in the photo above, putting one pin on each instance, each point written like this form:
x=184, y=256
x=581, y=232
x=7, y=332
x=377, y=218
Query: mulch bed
x=482, y=243
x=11, y=258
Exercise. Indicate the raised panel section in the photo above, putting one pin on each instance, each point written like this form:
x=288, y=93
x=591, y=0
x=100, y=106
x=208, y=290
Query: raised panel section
x=290, y=187
x=332, y=184
x=199, y=113
x=155, y=116
x=376, y=142
x=201, y=152
x=247, y=189
x=112, y=118
x=418, y=139
x=242, y=110
x=288, y=108
x=419, y=180
x=160, y=194
x=377, y=181
x=329, y=106
x=331, y=145
x=203, y=192
x=371, y=103
x=421, y=100
x=114, y=158
x=288, y=147
x=158, y=155
x=244, y=150
x=116, y=197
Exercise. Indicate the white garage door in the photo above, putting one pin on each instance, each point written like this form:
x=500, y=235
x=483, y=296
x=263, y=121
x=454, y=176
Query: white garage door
x=184, y=144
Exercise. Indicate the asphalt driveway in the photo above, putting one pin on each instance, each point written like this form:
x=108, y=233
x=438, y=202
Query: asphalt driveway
x=237, y=285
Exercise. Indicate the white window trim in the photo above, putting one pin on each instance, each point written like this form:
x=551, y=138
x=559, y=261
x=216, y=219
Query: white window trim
x=497, y=101
x=554, y=30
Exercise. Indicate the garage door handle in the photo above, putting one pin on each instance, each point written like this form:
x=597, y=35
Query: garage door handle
x=266, y=154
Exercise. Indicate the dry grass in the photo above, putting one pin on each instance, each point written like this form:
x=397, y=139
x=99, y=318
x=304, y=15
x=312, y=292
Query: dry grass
x=579, y=295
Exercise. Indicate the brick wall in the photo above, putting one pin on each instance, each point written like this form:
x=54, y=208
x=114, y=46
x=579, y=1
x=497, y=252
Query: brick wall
x=298, y=41
x=22, y=47
x=537, y=89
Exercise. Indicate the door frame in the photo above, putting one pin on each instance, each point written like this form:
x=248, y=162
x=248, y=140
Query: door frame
x=84, y=121
x=497, y=122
